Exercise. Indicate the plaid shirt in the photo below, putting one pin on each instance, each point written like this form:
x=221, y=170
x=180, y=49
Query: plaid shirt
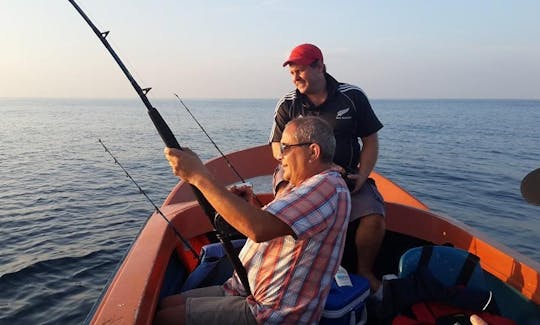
x=291, y=276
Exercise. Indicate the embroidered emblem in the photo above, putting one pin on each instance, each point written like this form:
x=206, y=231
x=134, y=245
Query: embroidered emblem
x=340, y=114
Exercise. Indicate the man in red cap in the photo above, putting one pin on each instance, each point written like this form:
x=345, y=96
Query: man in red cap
x=347, y=109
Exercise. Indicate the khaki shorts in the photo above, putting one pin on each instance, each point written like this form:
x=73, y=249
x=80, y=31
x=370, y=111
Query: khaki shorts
x=210, y=305
x=366, y=201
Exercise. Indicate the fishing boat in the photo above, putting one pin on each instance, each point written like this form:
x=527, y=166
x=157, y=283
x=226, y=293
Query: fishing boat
x=164, y=255
x=158, y=263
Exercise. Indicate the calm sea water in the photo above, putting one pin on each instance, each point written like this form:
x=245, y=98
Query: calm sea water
x=68, y=213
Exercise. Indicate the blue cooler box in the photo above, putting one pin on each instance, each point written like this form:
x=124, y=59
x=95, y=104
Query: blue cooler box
x=346, y=305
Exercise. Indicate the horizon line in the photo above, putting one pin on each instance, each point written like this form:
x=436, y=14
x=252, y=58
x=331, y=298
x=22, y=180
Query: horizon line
x=261, y=98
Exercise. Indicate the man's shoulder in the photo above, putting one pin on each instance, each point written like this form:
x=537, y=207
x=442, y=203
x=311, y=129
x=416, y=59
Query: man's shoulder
x=329, y=177
x=288, y=97
x=350, y=89
x=354, y=95
x=288, y=105
x=343, y=87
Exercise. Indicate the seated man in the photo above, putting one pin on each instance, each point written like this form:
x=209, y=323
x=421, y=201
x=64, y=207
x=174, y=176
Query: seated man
x=294, y=244
x=347, y=109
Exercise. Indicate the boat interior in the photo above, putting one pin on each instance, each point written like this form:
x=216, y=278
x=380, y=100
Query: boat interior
x=158, y=263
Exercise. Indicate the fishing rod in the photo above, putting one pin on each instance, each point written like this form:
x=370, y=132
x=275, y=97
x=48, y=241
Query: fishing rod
x=216, y=146
x=164, y=131
x=158, y=210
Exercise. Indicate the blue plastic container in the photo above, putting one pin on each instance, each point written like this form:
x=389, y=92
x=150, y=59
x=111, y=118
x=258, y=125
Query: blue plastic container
x=346, y=305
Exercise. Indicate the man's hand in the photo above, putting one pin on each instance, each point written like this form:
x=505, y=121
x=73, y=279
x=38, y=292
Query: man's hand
x=245, y=191
x=359, y=181
x=186, y=164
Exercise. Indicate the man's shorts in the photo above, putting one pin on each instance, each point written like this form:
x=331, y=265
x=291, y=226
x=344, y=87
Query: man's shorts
x=366, y=201
x=210, y=305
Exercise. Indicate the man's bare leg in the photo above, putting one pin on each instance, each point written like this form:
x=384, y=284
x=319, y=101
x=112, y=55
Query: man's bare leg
x=368, y=239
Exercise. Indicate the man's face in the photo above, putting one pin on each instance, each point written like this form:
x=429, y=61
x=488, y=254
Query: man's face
x=304, y=77
x=294, y=159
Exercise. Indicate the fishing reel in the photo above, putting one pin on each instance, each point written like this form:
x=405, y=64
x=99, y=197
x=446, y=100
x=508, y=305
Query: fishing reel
x=224, y=229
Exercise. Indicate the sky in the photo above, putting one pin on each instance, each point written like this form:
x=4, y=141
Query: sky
x=234, y=49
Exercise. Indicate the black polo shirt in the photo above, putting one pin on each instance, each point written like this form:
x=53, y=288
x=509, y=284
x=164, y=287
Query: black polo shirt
x=346, y=109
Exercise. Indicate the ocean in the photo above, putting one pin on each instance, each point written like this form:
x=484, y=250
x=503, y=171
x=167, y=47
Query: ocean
x=68, y=213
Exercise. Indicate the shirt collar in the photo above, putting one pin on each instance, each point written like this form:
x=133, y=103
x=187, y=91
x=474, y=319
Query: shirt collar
x=331, y=87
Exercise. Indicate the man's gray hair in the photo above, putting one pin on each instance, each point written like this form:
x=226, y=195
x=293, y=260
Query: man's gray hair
x=316, y=130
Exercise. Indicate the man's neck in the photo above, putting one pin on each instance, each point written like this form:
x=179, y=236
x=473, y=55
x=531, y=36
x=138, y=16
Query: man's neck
x=319, y=94
x=315, y=170
x=318, y=99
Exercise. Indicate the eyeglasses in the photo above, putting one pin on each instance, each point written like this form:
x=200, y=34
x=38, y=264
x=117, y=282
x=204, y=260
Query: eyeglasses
x=285, y=147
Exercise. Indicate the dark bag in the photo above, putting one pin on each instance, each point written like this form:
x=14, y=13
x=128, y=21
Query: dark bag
x=441, y=314
x=436, y=274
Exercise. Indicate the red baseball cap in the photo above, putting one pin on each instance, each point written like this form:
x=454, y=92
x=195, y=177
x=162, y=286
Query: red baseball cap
x=304, y=54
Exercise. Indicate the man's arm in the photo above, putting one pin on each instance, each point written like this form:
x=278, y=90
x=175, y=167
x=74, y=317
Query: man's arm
x=368, y=159
x=255, y=223
x=281, y=118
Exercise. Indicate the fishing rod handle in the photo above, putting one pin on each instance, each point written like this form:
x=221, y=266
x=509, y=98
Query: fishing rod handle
x=170, y=141
x=163, y=129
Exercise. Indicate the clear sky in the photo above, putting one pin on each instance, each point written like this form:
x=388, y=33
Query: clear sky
x=234, y=49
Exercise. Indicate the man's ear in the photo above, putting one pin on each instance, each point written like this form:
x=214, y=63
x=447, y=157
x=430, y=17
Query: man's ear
x=314, y=151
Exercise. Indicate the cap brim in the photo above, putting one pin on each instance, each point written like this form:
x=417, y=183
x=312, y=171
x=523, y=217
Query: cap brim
x=298, y=61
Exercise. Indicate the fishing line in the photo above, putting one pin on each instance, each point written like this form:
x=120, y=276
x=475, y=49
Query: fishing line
x=176, y=232
x=229, y=164
x=164, y=131
x=161, y=126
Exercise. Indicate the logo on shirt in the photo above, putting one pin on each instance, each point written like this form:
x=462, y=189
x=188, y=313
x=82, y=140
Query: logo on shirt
x=340, y=114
